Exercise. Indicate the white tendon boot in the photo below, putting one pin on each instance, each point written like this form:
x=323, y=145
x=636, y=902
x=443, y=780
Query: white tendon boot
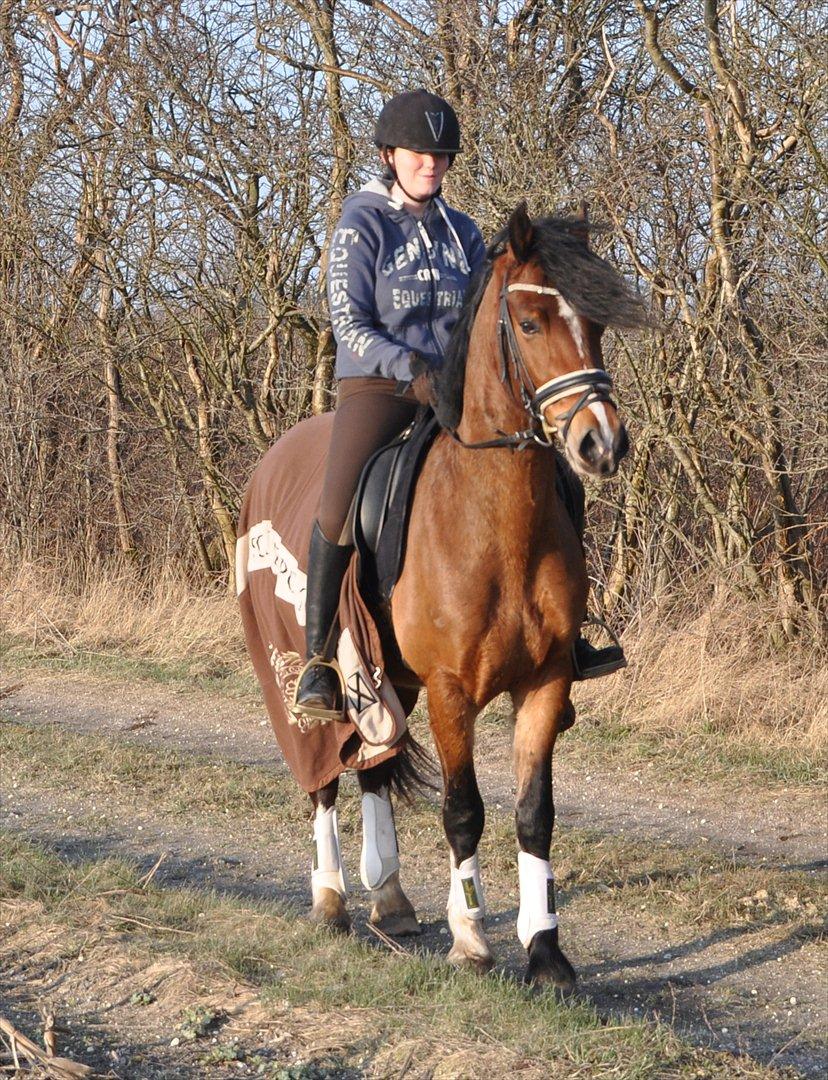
x=466, y=911
x=537, y=897
x=380, y=856
x=328, y=871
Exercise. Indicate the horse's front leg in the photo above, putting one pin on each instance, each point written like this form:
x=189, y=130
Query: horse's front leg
x=329, y=885
x=452, y=715
x=379, y=865
x=541, y=712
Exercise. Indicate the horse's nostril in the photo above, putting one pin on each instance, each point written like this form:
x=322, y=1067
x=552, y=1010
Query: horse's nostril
x=590, y=449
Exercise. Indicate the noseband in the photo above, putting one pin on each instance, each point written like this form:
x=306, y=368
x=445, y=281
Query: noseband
x=592, y=384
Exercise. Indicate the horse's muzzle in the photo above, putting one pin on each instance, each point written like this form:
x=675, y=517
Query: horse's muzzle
x=599, y=456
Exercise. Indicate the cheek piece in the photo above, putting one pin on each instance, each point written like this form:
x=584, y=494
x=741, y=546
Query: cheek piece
x=380, y=857
x=327, y=871
x=537, y=897
x=466, y=891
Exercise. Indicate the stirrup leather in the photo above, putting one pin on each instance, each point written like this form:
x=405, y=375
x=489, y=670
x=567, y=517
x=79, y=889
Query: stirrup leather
x=316, y=712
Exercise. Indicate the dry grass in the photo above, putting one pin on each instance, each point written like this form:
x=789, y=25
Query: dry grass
x=707, y=666
x=119, y=612
x=703, y=666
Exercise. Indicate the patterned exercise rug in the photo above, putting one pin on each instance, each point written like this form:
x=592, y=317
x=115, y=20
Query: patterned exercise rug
x=274, y=531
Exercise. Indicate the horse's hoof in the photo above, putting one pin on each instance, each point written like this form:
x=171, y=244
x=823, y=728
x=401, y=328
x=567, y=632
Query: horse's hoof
x=547, y=964
x=330, y=913
x=479, y=963
x=397, y=925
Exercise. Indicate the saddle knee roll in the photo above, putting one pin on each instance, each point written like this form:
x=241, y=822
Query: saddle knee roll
x=380, y=856
x=328, y=871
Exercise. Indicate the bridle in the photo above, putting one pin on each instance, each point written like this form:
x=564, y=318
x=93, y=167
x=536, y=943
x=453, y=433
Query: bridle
x=592, y=384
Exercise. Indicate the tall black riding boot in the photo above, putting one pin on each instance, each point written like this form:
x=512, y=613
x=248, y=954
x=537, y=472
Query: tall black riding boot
x=587, y=661
x=318, y=691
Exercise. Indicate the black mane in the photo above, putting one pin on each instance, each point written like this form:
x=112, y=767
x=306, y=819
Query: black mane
x=591, y=287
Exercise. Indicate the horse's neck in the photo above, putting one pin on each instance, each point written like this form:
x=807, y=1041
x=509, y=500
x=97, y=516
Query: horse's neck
x=488, y=404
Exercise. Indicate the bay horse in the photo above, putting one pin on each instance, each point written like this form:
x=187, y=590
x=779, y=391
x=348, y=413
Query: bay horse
x=493, y=588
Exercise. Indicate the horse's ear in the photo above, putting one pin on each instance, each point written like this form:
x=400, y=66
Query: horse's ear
x=520, y=232
x=582, y=215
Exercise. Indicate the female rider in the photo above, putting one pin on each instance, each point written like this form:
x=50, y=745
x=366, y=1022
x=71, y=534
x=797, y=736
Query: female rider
x=399, y=265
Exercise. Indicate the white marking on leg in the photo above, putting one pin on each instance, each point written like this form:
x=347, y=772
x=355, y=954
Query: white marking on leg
x=466, y=910
x=327, y=871
x=380, y=856
x=537, y=897
x=466, y=898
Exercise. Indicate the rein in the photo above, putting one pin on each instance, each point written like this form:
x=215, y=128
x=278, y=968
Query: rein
x=593, y=384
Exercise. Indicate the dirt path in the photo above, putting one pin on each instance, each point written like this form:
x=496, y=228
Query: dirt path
x=781, y=822
x=753, y=988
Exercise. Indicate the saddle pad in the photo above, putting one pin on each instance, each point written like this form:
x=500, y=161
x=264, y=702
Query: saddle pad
x=383, y=503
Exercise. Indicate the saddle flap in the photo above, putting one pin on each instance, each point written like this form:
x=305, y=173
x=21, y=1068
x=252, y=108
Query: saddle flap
x=371, y=703
x=383, y=502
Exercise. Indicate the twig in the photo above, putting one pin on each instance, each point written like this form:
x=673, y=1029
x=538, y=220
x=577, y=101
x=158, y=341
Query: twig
x=146, y=925
x=49, y=1037
x=147, y=878
x=59, y=1067
x=386, y=940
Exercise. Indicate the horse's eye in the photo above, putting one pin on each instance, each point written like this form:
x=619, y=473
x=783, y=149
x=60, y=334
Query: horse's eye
x=529, y=327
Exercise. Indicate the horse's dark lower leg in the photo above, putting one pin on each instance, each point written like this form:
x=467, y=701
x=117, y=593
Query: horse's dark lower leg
x=328, y=883
x=452, y=724
x=540, y=715
x=379, y=866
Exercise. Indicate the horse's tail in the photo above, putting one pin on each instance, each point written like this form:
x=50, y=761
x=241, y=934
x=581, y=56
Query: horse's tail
x=413, y=771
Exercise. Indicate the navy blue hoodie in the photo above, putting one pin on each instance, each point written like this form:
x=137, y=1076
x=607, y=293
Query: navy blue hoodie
x=396, y=283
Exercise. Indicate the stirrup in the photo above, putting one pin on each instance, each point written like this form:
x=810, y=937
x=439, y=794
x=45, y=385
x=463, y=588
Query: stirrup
x=618, y=664
x=316, y=712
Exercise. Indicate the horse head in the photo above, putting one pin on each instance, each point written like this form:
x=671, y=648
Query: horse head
x=554, y=349
x=534, y=326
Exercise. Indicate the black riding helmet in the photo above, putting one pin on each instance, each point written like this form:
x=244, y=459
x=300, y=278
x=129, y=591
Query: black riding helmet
x=419, y=121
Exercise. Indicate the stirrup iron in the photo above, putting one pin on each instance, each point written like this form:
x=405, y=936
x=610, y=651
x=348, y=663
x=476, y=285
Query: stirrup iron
x=316, y=712
x=616, y=663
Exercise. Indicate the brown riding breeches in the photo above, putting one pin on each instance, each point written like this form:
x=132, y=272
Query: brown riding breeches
x=368, y=415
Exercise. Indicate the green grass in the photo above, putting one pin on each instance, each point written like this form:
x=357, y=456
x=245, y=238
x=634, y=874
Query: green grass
x=700, y=753
x=266, y=944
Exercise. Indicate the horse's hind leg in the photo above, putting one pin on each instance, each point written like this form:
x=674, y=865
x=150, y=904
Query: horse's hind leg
x=328, y=883
x=541, y=713
x=452, y=724
x=379, y=867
